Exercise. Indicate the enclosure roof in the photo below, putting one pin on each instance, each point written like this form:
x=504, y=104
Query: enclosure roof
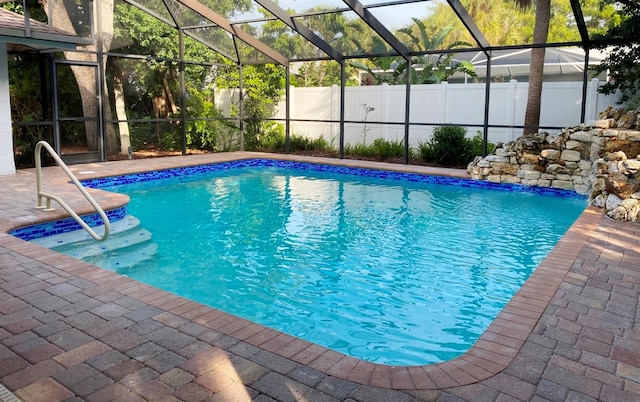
x=265, y=31
x=21, y=34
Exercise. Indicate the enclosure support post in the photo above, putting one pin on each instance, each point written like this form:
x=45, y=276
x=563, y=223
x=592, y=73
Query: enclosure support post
x=183, y=121
x=102, y=121
x=287, y=111
x=487, y=98
x=44, y=95
x=585, y=79
x=57, y=138
x=407, y=113
x=343, y=81
x=240, y=108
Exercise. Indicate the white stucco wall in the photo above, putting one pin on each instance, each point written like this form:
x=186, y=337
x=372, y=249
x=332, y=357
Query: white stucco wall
x=7, y=163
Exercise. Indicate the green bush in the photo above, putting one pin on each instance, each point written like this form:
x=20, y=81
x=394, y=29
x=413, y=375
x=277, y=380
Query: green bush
x=302, y=143
x=450, y=147
x=388, y=149
x=274, y=140
x=477, y=147
x=379, y=148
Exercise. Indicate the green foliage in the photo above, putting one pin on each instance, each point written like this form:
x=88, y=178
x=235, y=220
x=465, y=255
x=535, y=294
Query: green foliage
x=274, y=141
x=263, y=86
x=504, y=23
x=380, y=148
x=322, y=74
x=432, y=68
x=623, y=62
x=477, y=145
x=425, y=69
x=450, y=147
x=303, y=143
x=381, y=68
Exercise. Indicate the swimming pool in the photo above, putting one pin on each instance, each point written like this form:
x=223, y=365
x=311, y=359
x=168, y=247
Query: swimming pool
x=390, y=267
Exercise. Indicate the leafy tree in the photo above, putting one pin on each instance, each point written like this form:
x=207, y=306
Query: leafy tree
x=552, y=22
x=623, y=62
x=504, y=23
x=383, y=69
x=263, y=87
x=425, y=69
x=322, y=74
x=151, y=88
x=433, y=68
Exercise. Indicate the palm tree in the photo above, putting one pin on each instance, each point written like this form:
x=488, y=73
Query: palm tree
x=540, y=34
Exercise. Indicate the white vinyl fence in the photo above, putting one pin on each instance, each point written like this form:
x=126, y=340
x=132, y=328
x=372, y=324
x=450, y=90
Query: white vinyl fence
x=461, y=104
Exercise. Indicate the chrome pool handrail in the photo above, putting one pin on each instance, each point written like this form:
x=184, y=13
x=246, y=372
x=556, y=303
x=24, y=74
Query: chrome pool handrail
x=46, y=206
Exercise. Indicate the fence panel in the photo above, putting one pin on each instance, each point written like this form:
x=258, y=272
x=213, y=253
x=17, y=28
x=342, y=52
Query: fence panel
x=461, y=104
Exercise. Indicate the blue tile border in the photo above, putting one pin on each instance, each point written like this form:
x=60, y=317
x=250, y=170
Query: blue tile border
x=69, y=224
x=363, y=172
x=66, y=225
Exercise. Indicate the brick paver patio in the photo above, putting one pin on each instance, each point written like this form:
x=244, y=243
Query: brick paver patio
x=72, y=331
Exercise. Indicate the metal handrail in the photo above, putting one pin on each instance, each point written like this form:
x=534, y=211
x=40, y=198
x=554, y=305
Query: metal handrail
x=48, y=197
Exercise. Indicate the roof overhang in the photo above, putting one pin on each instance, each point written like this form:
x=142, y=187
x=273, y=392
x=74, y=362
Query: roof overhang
x=23, y=34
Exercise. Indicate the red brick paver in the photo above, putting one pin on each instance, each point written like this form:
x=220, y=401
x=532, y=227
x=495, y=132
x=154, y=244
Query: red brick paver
x=70, y=329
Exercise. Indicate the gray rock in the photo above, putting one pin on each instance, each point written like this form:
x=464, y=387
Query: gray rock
x=581, y=189
x=555, y=169
x=552, y=154
x=582, y=136
x=562, y=184
x=615, y=156
x=618, y=213
x=570, y=155
x=572, y=144
x=495, y=158
x=631, y=165
x=613, y=202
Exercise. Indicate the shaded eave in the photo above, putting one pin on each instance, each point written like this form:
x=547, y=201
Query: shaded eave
x=24, y=34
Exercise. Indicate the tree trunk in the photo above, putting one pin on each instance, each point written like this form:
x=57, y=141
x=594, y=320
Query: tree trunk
x=86, y=81
x=536, y=72
x=164, y=104
x=121, y=114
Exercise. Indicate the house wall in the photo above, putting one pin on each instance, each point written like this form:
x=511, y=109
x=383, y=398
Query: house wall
x=7, y=165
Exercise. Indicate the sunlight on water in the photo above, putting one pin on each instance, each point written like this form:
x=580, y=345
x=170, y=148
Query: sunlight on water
x=392, y=272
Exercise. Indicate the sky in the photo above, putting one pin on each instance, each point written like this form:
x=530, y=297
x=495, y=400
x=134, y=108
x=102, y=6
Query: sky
x=392, y=17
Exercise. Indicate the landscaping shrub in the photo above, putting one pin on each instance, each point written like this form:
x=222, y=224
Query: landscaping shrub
x=302, y=143
x=379, y=148
x=450, y=147
x=274, y=141
x=477, y=147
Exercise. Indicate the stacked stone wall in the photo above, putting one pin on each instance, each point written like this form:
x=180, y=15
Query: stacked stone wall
x=600, y=159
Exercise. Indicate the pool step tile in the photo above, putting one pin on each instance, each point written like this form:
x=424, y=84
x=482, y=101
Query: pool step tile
x=127, y=223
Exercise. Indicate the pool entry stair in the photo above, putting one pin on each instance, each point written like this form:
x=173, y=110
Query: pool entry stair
x=44, y=198
x=127, y=245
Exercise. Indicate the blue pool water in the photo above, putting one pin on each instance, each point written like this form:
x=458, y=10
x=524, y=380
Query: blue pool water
x=392, y=268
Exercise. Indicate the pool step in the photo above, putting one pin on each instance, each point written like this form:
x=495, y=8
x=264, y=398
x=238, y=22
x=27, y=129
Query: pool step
x=124, y=258
x=89, y=248
x=128, y=244
x=127, y=223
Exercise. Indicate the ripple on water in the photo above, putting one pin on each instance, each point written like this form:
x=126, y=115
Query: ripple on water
x=392, y=272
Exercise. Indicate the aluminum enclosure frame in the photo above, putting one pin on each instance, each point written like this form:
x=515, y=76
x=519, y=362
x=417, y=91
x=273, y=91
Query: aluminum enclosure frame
x=361, y=11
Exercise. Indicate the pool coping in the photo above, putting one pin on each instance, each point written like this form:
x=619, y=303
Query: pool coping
x=490, y=355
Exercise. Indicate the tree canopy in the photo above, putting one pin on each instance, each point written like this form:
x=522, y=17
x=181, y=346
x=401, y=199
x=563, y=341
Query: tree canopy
x=504, y=23
x=623, y=62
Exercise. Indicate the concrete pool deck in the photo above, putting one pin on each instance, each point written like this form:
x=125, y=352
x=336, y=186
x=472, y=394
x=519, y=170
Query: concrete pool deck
x=72, y=331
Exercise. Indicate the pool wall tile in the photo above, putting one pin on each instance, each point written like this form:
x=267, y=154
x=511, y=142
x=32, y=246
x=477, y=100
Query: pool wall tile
x=334, y=169
x=66, y=225
x=69, y=224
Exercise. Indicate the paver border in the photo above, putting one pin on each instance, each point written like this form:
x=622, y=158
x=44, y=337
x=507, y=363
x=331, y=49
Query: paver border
x=490, y=355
